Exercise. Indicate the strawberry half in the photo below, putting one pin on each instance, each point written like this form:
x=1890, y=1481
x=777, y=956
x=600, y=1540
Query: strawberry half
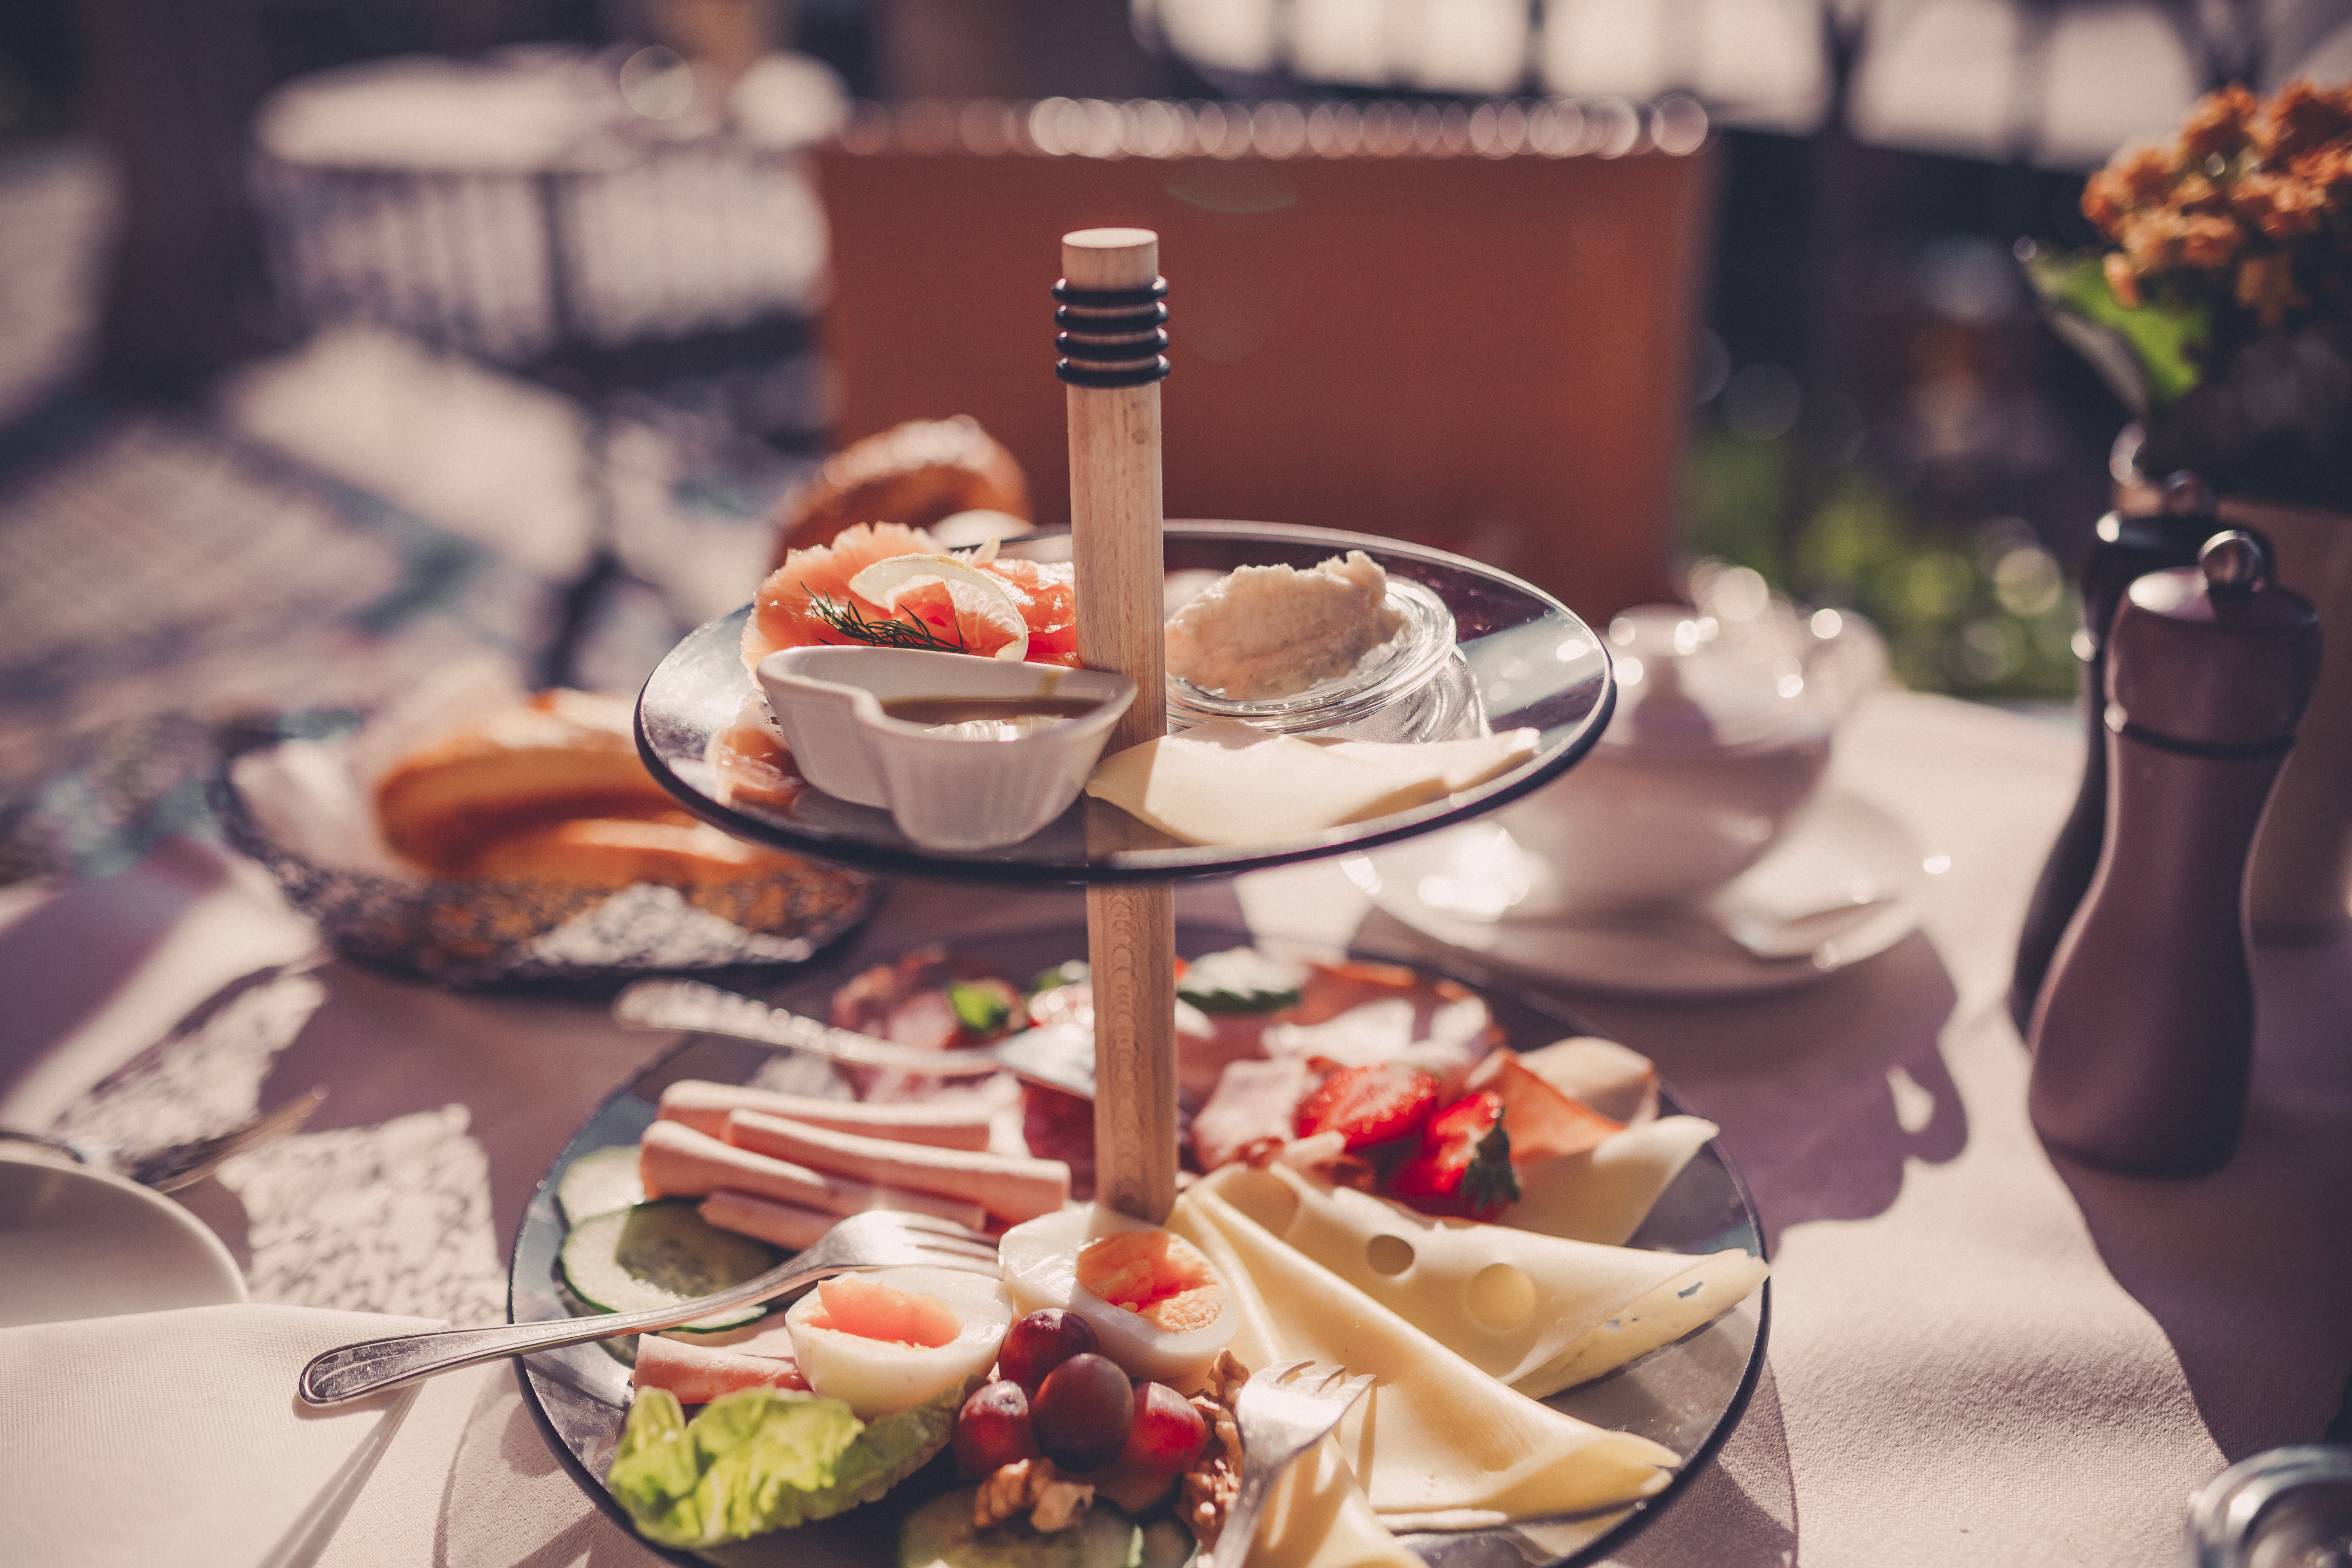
x=1368, y=1105
x=1464, y=1164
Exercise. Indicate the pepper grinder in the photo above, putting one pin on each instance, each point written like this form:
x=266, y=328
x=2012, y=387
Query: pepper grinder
x=2124, y=549
x=2143, y=1039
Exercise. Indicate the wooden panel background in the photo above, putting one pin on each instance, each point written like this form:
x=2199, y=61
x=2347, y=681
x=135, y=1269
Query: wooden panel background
x=1484, y=354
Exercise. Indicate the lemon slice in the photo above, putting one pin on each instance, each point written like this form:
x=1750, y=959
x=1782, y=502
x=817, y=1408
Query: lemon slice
x=978, y=598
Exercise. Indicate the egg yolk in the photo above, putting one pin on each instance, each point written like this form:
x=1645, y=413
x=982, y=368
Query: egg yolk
x=872, y=1310
x=1155, y=1275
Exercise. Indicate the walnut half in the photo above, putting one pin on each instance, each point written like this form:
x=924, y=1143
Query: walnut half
x=1032, y=1487
x=1216, y=1478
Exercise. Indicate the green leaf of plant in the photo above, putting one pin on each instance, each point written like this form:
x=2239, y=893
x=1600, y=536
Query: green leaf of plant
x=2147, y=353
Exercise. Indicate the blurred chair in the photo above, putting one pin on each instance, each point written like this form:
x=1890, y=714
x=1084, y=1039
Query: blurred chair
x=1468, y=329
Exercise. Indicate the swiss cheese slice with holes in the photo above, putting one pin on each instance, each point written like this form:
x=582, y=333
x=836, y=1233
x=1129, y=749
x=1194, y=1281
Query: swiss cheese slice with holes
x=1604, y=1194
x=1226, y=782
x=1436, y=1443
x=1535, y=1311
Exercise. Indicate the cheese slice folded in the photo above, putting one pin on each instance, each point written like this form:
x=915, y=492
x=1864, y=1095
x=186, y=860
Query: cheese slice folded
x=1535, y=1311
x=1226, y=782
x=1436, y=1444
x=1604, y=1194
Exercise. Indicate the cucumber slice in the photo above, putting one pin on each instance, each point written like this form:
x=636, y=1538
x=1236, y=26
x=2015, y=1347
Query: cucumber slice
x=1168, y=1544
x=652, y=1255
x=939, y=1535
x=599, y=1181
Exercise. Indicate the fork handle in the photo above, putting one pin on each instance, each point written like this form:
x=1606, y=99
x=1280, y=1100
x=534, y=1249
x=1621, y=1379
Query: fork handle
x=371, y=1366
x=1242, y=1518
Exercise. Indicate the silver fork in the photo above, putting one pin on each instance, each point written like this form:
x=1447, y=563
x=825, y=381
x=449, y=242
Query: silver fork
x=879, y=1239
x=1283, y=1411
x=167, y=1170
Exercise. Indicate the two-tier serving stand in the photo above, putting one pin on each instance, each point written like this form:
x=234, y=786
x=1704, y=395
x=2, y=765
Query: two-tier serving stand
x=1520, y=659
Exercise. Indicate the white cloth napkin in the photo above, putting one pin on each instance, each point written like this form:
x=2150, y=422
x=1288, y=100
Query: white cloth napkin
x=177, y=1437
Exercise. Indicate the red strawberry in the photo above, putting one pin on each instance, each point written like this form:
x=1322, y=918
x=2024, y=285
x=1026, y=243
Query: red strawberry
x=1464, y=1164
x=1370, y=1105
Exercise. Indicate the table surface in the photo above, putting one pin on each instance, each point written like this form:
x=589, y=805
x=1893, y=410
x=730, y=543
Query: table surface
x=1978, y=1353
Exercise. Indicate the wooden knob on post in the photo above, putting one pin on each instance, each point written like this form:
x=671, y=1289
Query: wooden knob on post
x=1110, y=341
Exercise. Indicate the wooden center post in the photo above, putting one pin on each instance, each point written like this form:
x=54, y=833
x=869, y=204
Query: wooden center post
x=1111, y=339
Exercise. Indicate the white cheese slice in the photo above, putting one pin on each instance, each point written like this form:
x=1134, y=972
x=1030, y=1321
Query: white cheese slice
x=1604, y=1194
x=1226, y=782
x=1436, y=1444
x=1535, y=1311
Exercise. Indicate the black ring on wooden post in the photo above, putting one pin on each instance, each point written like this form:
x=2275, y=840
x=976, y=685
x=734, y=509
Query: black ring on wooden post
x=1142, y=374
x=1110, y=298
x=1104, y=322
x=1112, y=350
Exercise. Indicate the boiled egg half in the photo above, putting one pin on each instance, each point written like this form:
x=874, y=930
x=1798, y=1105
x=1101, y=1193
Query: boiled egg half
x=896, y=1337
x=1155, y=1305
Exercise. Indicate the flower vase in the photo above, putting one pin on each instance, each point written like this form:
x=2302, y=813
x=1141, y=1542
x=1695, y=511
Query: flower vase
x=2299, y=889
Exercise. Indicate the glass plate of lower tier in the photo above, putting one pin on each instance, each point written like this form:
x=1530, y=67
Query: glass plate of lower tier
x=1687, y=1395
x=1519, y=659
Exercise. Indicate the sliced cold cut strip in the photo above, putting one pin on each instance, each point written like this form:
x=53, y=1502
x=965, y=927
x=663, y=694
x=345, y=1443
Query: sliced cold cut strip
x=703, y=1106
x=1013, y=1188
x=675, y=1161
x=698, y=1374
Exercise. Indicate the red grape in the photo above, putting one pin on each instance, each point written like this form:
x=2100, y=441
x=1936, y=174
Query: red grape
x=1040, y=1342
x=1166, y=1433
x=1082, y=1412
x=992, y=1429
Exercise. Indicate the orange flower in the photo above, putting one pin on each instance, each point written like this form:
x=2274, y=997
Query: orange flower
x=2106, y=199
x=2267, y=287
x=2151, y=241
x=2122, y=281
x=2210, y=242
x=2303, y=117
x=2328, y=168
x=2145, y=172
x=2197, y=194
x=2219, y=123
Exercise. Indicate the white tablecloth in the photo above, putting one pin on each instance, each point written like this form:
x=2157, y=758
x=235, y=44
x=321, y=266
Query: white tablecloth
x=1978, y=1354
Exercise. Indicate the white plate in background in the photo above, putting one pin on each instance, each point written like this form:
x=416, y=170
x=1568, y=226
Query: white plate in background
x=79, y=1242
x=1843, y=852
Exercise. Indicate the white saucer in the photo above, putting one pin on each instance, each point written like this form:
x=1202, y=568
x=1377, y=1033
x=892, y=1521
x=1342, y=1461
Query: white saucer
x=78, y=1243
x=1843, y=852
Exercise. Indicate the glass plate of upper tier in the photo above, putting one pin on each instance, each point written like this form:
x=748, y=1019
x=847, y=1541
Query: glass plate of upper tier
x=1520, y=659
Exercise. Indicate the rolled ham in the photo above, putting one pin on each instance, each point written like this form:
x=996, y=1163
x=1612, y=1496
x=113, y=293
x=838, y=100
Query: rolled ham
x=788, y=1226
x=700, y=1374
x=703, y=1106
x=1013, y=1188
x=674, y=1161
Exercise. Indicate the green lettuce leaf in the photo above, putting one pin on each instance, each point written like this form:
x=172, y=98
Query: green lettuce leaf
x=763, y=1459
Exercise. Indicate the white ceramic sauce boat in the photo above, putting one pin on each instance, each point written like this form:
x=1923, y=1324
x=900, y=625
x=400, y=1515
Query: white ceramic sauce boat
x=945, y=792
x=1714, y=749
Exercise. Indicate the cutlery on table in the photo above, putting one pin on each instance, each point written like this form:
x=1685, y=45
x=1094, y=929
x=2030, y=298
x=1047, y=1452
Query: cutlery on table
x=1283, y=1411
x=879, y=1239
x=1058, y=1057
x=177, y=1165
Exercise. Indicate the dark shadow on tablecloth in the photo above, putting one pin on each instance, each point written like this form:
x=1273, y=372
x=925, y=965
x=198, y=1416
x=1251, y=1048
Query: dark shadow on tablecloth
x=1824, y=1093
x=2237, y=1265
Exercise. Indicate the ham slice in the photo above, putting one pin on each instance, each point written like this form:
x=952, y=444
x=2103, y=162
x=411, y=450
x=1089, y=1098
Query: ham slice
x=1542, y=1121
x=1014, y=1188
x=703, y=1106
x=674, y=1161
x=788, y=1226
x=700, y=1374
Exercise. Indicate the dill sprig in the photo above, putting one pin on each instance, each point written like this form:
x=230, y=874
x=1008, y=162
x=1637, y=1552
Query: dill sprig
x=845, y=619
